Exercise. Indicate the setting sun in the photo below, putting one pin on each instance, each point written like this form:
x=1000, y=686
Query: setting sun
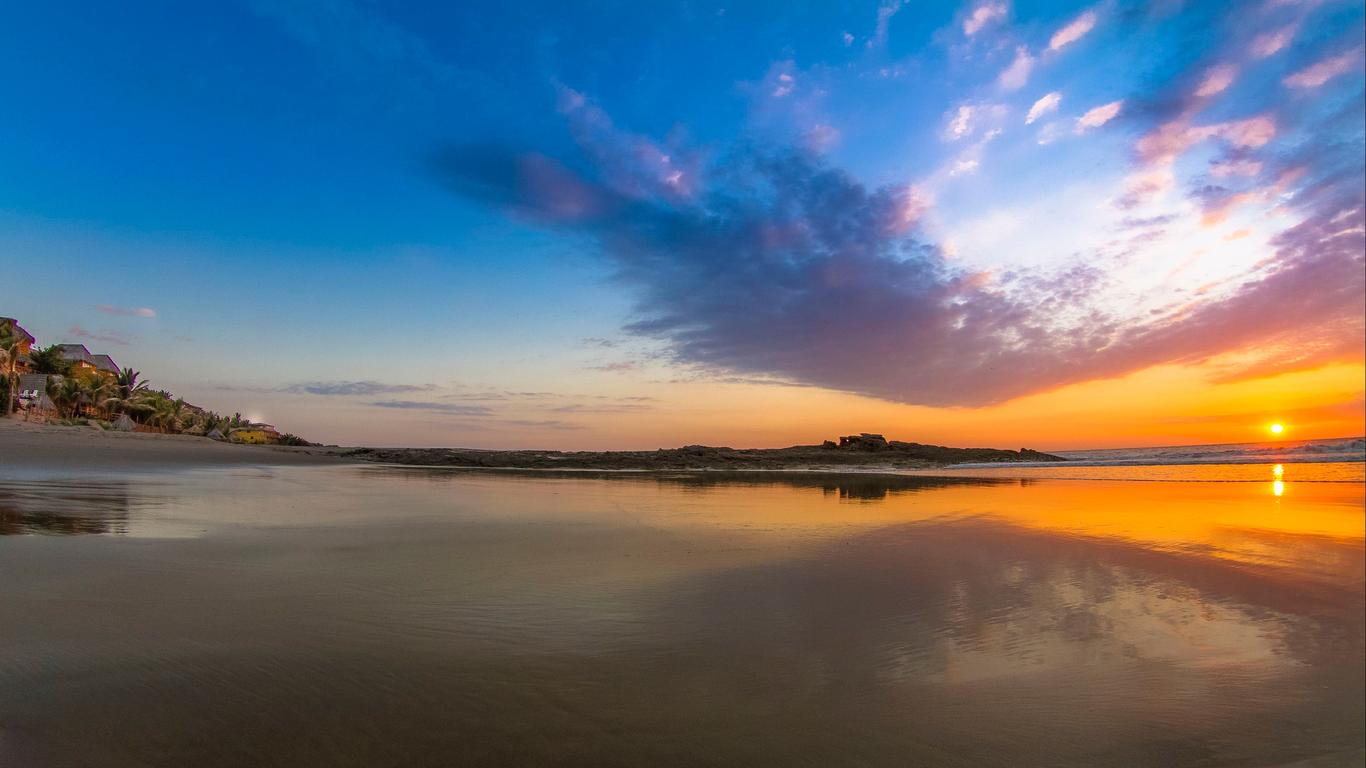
x=1277, y=429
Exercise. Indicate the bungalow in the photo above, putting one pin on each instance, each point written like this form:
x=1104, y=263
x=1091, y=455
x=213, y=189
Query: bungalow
x=33, y=391
x=82, y=362
x=105, y=364
x=26, y=341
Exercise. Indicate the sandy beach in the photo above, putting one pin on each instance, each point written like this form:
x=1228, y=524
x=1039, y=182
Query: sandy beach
x=25, y=445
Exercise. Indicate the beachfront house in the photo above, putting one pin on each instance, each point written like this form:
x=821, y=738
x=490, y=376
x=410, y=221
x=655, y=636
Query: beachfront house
x=26, y=341
x=83, y=362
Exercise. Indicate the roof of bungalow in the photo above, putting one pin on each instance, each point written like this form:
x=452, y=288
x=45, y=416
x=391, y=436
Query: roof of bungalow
x=105, y=363
x=76, y=353
x=18, y=329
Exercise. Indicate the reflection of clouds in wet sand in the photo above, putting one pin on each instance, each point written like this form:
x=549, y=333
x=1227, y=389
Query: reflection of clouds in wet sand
x=490, y=618
x=1077, y=634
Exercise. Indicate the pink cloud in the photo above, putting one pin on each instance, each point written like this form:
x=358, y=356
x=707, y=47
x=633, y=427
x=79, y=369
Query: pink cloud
x=1017, y=74
x=982, y=16
x=961, y=122
x=1073, y=31
x=1317, y=74
x=1173, y=138
x=106, y=337
x=1099, y=116
x=1271, y=43
x=1045, y=104
x=1236, y=168
x=1217, y=80
x=109, y=309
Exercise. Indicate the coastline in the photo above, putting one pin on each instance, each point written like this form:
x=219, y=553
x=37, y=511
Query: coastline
x=28, y=446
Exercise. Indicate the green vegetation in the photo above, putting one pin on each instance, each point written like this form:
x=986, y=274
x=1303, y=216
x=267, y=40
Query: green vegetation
x=107, y=400
x=122, y=401
x=48, y=360
x=9, y=364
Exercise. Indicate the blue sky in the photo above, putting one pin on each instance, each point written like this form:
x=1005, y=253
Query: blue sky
x=621, y=206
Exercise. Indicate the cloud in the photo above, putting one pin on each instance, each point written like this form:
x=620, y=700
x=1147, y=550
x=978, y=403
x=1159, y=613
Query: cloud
x=784, y=268
x=885, y=11
x=848, y=39
x=620, y=366
x=1271, y=43
x=1046, y=103
x=1072, y=31
x=109, y=309
x=1217, y=79
x=983, y=15
x=1171, y=139
x=960, y=124
x=354, y=388
x=1321, y=72
x=602, y=408
x=785, y=85
x=103, y=337
x=456, y=409
x=820, y=138
x=1099, y=116
x=1016, y=75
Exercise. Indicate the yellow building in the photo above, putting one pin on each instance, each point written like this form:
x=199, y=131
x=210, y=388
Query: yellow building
x=256, y=434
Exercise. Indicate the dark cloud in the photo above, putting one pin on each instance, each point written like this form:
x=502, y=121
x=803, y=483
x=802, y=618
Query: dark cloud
x=352, y=388
x=776, y=265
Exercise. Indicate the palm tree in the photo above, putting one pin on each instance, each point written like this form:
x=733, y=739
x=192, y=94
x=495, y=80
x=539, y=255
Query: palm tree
x=102, y=393
x=168, y=414
x=130, y=382
x=67, y=394
x=9, y=363
x=49, y=360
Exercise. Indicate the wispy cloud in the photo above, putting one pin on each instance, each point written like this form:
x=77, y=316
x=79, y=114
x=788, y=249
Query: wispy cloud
x=1045, y=104
x=457, y=409
x=354, y=388
x=885, y=11
x=109, y=309
x=1015, y=76
x=1321, y=72
x=982, y=16
x=1271, y=43
x=1072, y=31
x=1217, y=79
x=103, y=337
x=602, y=408
x=1095, y=118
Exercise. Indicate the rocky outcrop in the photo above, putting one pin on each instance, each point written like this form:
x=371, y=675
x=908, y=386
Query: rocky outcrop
x=864, y=451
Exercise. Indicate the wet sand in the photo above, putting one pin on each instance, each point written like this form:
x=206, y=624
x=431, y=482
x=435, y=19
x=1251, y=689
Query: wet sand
x=371, y=615
x=42, y=447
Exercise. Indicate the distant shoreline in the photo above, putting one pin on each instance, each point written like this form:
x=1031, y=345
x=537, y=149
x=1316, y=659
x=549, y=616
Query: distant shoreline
x=26, y=445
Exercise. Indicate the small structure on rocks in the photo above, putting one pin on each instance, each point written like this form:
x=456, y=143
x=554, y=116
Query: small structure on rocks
x=864, y=441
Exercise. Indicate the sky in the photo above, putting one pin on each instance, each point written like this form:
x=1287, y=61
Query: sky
x=633, y=225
